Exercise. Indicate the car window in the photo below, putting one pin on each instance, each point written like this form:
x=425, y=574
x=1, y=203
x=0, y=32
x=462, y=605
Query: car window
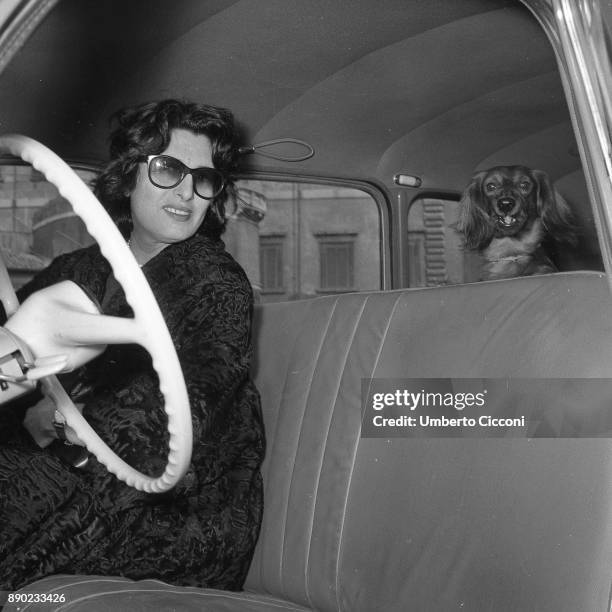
x=301, y=240
x=436, y=251
x=36, y=223
x=294, y=239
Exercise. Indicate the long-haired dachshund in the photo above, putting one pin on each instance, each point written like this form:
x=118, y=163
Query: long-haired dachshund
x=507, y=213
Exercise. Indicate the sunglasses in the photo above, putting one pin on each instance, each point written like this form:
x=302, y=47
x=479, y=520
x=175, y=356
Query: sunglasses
x=167, y=172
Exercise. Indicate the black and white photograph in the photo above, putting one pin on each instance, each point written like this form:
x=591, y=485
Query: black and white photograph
x=306, y=305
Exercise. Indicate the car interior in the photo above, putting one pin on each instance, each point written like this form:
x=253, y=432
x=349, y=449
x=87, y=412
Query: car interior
x=362, y=124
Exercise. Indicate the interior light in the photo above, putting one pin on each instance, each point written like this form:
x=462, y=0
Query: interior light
x=407, y=180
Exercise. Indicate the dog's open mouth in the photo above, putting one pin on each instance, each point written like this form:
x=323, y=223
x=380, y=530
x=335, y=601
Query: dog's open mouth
x=507, y=221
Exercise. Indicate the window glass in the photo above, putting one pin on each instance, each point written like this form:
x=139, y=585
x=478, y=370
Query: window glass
x=300, y=240
x=436, y=255
x=435, y=251
x=294, y=240
x=36, y=223
x=336, y=262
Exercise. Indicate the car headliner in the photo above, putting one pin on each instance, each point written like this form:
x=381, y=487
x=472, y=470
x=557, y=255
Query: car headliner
x=434, y=88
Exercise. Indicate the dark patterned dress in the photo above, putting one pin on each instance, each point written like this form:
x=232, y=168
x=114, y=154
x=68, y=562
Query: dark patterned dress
x=58, y=519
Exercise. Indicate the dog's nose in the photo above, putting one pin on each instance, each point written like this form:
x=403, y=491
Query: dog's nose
x=505, y=205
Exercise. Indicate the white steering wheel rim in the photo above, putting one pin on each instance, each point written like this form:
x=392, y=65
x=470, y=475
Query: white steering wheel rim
x=147, y=316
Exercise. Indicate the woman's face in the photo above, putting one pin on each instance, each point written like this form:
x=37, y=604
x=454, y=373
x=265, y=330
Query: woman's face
x=164, y=216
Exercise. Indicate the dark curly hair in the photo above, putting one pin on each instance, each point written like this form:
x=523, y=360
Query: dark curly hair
x=146, y=129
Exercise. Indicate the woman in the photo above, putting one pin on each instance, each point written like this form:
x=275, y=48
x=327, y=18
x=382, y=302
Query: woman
x=166, y=186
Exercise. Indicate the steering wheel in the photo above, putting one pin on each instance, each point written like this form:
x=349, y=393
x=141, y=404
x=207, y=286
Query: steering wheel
x=86, y=326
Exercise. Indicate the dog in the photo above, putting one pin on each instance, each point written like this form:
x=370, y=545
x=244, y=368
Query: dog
x=515, y=219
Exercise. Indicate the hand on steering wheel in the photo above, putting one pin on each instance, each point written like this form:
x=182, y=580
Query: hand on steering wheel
x=39, y=422
x=78, y=329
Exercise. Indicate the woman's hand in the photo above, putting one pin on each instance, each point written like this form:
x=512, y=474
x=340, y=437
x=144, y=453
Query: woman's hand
x=39, y=423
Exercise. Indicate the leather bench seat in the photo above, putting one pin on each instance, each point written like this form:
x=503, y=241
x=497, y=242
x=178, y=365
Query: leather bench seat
x=395, y=524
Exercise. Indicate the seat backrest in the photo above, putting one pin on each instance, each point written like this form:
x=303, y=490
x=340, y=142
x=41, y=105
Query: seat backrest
x=362, y=524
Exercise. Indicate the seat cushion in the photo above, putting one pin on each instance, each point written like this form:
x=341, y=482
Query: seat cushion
x=86, y=593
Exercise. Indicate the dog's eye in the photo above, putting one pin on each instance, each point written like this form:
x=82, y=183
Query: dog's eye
x=490, y=187
x=525, y=185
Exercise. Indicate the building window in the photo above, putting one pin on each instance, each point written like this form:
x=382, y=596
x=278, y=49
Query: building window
x=302, y=216
x=36, y=223
x=271, y=264
x=336, y=256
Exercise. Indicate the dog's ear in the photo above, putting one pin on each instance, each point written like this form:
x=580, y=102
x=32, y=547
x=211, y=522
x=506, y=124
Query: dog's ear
x=556, y=215
x=474, y=222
